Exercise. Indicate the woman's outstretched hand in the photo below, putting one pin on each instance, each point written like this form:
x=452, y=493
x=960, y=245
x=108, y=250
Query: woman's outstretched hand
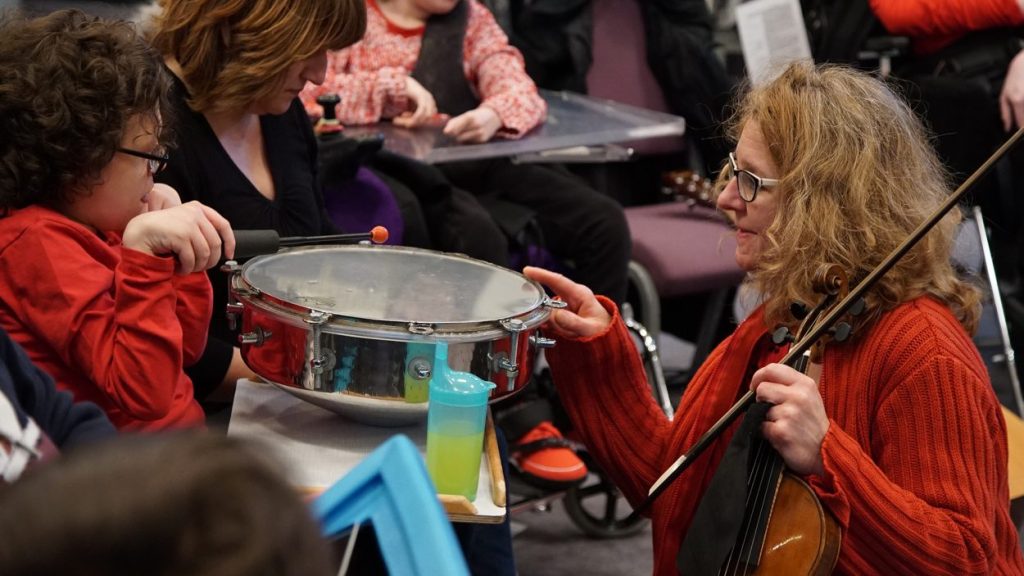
x=583, y=315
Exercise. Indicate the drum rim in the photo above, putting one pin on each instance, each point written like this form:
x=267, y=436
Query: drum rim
x=396, y=331
x=450, y=331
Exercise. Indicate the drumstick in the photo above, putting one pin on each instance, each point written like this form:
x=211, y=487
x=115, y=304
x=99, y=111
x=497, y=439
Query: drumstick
x=377, y=235
x=250, y=243
x=494, y=463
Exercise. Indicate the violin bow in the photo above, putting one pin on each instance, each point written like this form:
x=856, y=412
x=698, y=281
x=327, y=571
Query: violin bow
x=840, y=308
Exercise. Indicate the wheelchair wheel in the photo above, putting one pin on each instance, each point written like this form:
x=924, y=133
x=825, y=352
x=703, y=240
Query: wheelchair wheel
x=597, y=507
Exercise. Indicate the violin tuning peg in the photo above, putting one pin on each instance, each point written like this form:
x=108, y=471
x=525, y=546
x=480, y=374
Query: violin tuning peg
x=781, y=335
x=798, y=310
x=841, y=331
x=858, y=307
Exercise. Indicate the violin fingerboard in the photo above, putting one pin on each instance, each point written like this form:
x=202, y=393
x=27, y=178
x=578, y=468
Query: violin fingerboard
x=763, y=482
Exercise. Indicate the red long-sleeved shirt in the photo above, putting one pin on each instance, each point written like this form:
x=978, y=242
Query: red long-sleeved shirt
x=915, y=456
x=932, y=24
x=113, y=326
x=370, y=75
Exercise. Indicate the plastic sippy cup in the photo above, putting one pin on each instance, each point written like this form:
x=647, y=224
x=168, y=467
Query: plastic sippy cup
x=455, y=427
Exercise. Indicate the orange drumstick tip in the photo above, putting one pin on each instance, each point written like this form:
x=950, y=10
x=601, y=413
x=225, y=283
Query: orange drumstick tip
x=379, y=235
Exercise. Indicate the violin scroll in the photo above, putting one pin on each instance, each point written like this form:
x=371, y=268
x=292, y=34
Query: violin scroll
x=830, y=279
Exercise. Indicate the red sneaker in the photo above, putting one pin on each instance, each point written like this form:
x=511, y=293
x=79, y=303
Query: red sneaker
x=545, y=456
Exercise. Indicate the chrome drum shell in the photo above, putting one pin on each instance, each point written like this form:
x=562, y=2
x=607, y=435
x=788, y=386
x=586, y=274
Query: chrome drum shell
x=353, y=328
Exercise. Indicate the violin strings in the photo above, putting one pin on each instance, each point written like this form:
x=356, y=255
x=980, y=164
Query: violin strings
x=733, y=562
x=764, y=481
x=755, y=487
x=752, y=482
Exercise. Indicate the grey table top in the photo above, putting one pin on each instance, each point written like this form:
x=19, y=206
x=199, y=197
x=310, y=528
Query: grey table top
x=574, y=121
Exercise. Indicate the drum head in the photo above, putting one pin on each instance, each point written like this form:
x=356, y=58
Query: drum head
x=393, y=284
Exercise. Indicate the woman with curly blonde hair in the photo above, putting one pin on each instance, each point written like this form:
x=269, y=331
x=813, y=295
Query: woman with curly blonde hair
x=855, y=187
x=897, y=430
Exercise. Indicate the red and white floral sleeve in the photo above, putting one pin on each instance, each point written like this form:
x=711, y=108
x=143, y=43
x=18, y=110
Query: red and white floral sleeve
x=497, y=71
x=368, y=92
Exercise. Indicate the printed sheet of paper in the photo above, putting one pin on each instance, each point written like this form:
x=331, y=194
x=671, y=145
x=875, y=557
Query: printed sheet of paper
x=772, y=35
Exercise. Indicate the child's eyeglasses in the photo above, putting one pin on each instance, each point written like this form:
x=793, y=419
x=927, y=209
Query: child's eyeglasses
x=156, y=162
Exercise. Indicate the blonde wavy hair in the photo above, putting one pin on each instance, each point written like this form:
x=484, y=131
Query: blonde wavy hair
x=858, y=175
x=232, y=52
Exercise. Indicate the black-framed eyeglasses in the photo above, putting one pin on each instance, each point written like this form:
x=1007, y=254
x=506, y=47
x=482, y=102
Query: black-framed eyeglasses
x=156, y=162
x=749, y=184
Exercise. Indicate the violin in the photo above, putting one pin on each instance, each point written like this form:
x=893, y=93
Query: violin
x=785, y=529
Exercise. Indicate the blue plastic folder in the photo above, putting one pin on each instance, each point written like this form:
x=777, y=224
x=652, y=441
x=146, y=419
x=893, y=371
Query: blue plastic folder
x=390, y=488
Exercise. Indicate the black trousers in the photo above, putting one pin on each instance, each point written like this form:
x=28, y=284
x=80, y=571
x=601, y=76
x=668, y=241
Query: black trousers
x=582, y=228
x=437, y=214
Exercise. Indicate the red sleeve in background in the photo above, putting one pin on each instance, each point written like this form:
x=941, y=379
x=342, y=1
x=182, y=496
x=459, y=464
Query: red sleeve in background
x=932, y=24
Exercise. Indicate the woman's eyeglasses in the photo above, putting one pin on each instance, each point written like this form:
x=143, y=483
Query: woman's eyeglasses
x=156, y=162
x=748, y=183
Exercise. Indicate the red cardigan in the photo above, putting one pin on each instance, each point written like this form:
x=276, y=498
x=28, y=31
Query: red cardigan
x=915, y=457
x=932, y=24
x=113, y=326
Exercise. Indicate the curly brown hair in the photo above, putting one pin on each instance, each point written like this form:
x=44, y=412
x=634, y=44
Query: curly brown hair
x=858, y=175
x=232, y=52
x=69, y=83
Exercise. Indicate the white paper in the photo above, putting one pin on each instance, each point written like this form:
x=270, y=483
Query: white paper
x=772, y=35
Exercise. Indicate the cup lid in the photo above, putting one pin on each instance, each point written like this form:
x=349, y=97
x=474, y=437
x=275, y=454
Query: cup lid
x=460, y=389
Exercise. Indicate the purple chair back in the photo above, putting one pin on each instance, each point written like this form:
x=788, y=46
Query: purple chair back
x=359, y=204
x=619, y=71
x=686, y=249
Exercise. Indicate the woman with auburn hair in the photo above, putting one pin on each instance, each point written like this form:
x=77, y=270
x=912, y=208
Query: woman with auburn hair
x=245, y=144
x=232, y=54
x=897, y=430
x=246, y=147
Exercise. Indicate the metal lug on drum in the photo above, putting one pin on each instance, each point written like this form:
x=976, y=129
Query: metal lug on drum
x=419, y=369
x=509, y=364
x=234, y=313
x=320, y=360
x=540, y=342
x=234, y=308
x=256, y=338
x=555, y=304
x=324, y=362
x=421, y=328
